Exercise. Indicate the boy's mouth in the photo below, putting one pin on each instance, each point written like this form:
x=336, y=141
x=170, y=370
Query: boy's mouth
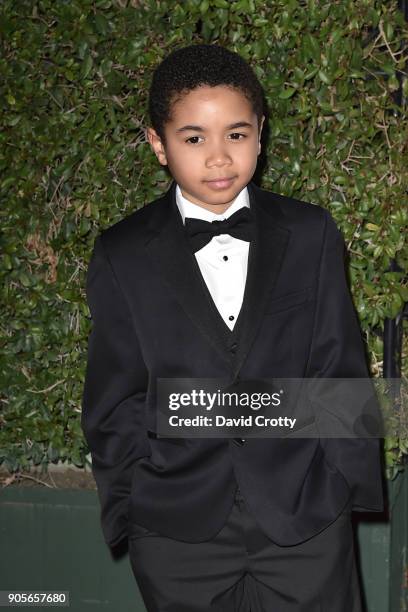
x=221, y=183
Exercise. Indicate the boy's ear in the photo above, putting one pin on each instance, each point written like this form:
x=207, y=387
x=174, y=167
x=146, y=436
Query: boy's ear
x=157, y=145
x=260, y=132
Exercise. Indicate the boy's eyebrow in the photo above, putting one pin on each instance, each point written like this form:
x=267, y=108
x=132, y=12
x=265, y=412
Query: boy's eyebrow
x=198, y=128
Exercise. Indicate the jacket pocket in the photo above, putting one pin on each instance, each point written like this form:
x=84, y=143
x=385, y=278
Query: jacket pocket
x=172, y=440
x=289, y=300
x=307, y=428
x=138, y=531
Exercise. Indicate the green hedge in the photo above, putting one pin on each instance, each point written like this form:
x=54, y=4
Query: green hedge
x=74, y=159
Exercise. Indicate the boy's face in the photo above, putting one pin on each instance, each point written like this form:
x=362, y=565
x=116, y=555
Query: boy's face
x=204, y=143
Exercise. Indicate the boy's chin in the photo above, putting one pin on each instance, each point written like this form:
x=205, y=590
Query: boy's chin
x=220, y=199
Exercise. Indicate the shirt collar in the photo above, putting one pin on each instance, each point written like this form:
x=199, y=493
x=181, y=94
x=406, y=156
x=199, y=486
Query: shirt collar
x=189, y=209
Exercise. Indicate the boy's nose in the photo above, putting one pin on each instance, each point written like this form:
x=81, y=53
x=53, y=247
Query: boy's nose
x=218, y=158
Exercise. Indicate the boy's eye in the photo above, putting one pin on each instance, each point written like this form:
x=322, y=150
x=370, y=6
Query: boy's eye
x=191, y=138
x=233, y=134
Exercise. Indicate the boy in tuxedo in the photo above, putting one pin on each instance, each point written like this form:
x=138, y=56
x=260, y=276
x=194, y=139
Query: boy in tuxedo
x=219, y=278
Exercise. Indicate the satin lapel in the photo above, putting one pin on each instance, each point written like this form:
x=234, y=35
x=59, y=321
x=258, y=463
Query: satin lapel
x=170, y=252
x=176, y=263
x=264, y=264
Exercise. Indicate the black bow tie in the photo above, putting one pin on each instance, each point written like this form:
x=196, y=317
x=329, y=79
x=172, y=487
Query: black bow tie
x=239, y=225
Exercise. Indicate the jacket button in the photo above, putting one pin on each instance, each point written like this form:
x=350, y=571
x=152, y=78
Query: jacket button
x=233, y=348
x=238, y=441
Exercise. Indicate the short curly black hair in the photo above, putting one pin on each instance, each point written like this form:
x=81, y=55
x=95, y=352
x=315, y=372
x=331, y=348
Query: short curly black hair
x=200, y=64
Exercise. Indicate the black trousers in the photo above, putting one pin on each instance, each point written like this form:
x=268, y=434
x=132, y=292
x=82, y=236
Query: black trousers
x=242, y=570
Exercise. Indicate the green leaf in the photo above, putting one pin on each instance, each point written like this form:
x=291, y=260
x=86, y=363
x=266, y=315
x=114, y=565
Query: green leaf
x=286, y=93
x=204, y=6
x=101, y=24
x=372, y=227
x=324, y=77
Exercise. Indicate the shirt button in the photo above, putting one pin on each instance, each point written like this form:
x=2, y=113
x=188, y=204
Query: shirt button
x=225, y=258
x=231, y=317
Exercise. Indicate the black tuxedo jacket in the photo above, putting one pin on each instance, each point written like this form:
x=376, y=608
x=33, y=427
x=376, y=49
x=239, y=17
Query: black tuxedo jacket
x=153, y=317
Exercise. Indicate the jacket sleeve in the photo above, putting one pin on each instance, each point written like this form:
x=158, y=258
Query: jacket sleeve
x=114, y=392
x=337, y=351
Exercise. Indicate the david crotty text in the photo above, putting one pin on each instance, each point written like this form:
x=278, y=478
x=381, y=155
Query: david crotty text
x=221, y=421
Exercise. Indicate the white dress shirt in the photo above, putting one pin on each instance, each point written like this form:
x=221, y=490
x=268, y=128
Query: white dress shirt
x=224, y=260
